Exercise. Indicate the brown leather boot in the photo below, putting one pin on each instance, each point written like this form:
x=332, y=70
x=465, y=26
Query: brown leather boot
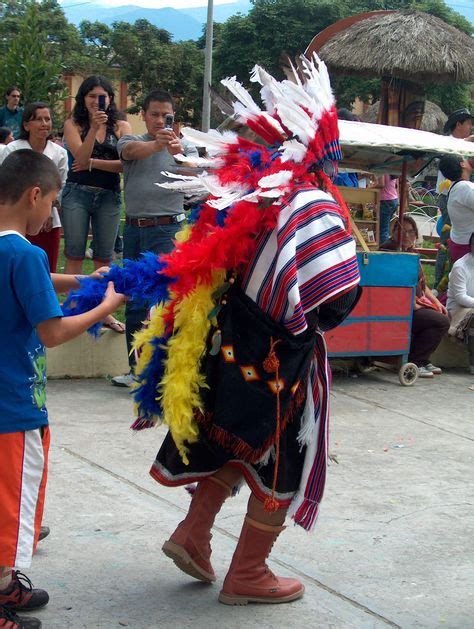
x=189, y=546
x=249, y=579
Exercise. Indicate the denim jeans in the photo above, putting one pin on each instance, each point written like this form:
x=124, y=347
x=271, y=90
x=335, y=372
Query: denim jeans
x=137, y=240
x=387, y=210
x=84, y=205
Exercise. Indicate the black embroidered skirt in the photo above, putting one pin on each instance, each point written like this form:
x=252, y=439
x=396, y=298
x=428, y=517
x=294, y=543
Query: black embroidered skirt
x=206, y=457
x=257, y=378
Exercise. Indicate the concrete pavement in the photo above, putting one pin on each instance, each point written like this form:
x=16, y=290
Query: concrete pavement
x=393, y=545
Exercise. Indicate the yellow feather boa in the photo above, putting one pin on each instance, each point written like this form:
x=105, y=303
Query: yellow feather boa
x=182, y=378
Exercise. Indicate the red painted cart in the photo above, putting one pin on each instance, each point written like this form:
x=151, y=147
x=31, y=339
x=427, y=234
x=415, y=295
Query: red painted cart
x=379, y=327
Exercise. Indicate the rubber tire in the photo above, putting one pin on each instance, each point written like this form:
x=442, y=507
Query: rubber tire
x=408, y=374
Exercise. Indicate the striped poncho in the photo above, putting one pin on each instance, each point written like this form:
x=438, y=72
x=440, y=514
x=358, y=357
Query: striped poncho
x=307, y=260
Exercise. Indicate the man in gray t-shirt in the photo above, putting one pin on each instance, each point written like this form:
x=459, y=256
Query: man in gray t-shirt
x=153, y=215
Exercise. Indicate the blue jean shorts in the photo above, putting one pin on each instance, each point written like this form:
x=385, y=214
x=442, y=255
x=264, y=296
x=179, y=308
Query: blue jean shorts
x=83, y=206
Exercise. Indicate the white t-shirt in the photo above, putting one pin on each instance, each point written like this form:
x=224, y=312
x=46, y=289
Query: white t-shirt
x=461, y=211
x=56, y=154
x=461, y=283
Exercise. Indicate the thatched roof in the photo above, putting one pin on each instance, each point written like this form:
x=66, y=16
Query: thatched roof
x=405, y=44
x=433, y=119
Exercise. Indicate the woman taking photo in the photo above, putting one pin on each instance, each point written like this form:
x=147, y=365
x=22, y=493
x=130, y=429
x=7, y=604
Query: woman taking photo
x=36, y=125
x=92, y=192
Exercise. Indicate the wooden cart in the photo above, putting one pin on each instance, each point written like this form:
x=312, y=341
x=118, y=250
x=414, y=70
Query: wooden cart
x=379, y=327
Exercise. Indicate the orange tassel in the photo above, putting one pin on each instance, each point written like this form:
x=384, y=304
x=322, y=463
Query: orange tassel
x=271, y=504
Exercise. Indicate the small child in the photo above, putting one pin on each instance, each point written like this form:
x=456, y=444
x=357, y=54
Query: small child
x=30, y=319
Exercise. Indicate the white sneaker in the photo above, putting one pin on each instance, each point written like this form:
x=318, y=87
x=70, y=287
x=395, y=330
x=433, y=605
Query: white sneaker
x=424, y=372
x=436, y=370
x=126, y=380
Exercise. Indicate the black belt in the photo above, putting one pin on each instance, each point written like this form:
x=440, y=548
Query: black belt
x=151, y=221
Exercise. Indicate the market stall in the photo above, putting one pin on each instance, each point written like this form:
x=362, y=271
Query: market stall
x=380, y=325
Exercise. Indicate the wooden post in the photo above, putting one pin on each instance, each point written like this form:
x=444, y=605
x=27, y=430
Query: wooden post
x=403, y=190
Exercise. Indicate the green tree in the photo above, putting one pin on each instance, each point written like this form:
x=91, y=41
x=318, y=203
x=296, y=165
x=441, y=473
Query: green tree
x=32, y=62
x=62, y=37
x=148, y=59
x=273, y=27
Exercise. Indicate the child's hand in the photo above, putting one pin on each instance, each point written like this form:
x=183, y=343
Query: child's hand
x=113, y=299
x=98, y=273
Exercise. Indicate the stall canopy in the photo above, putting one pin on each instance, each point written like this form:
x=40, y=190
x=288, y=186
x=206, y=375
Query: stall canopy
x=383, y=149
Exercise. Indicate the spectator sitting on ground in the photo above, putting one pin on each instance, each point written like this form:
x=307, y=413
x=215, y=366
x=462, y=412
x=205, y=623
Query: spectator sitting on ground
x=460, y=203
x=35, y=134
x=461, y=301
x=430, y=317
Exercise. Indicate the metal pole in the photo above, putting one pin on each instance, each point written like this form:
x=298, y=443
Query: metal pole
x=206, y=95
x=403, y=192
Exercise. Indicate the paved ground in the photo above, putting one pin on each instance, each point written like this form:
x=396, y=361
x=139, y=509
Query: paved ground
x=393, y=546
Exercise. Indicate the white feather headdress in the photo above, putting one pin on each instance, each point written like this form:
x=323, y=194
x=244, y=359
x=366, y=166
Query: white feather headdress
x=298, y=125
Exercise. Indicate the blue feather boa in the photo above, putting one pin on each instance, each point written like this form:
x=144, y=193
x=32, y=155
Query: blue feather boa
x=140, y=279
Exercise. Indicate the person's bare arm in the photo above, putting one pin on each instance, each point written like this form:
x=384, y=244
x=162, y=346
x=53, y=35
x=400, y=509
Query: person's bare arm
x=110, y=166
x=435, y=300
x=379, y=183
x=54, y=332
x=164, y=139
x=63, y=283
x=82, y=149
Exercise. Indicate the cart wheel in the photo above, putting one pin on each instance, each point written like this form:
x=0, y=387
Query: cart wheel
x=408, y=374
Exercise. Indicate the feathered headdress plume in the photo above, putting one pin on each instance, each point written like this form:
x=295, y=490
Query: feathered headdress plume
x=246, y=182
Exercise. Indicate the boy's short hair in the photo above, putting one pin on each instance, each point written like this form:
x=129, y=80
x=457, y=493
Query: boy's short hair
x=24, y=169
x=450, y=166
x=160, y=96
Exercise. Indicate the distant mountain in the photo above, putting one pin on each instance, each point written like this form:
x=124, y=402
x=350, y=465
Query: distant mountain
x=181, y=23
x=187, y=23
x=222, y=12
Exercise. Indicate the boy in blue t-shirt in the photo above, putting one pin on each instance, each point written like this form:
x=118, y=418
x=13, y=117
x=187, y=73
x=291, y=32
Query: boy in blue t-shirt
x=30, y=319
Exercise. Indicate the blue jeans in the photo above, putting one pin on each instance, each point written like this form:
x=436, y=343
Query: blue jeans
x=84, y=205
x=137, y=240
x=387, y=210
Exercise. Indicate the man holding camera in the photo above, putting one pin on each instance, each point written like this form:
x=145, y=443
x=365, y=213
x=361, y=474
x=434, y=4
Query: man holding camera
x=153, y=215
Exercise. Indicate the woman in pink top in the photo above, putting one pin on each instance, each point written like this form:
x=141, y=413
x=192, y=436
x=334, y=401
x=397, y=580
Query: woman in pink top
x=388, y=186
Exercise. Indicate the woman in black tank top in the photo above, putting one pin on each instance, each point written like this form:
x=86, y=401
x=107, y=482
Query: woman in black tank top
x=92, y=192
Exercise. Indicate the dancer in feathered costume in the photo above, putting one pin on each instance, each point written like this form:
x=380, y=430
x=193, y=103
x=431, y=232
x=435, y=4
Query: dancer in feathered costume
x=233, y=358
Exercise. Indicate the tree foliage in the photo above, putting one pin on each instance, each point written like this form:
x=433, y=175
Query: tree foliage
x=32, y=61
x=38, y=44
x=276, y=26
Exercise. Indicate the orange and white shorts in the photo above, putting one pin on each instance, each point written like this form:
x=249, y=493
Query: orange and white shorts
x=23, y=474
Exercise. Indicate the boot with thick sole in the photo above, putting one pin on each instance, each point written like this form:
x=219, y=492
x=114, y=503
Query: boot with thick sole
x=190, y=545
x=249, y=579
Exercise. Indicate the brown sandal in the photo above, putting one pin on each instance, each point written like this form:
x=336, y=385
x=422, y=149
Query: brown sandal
x=115, y=325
